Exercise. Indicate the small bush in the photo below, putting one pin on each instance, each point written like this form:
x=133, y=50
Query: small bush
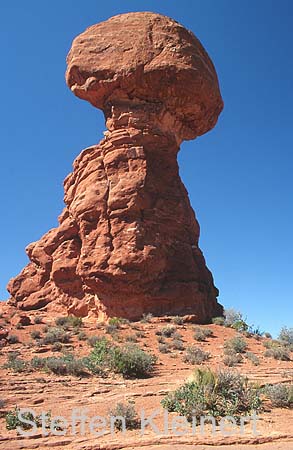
x=69, y=322
x=239, y=325
x=164, y=348
x=267, y=335
x=253, y=358
x=131, y=361
x=232, y=316
x=161, y=339
x=195, y=355
x=177, y=320
x=13, y=422
x=286, y=336
x=2, y=403
x=146, y=318
x=236, y=344
x=112, y=328
x=65, y=365
x=15, y=363
x=82, y=336
x=232, y=359
x=214, y=394
x=93, y=340
x=57, y=347
x=218, y=320
x=140, y=334
x=199, y=334
x=128, y=412
x=280, y=353
x=37, y=320
x=56, y=335
x=177, y=344
x=12, y=339
x=36, y=334
x=280, y=395
x=168, y=331
x=131, y=338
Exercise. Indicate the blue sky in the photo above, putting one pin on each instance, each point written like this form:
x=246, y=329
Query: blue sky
x=239, y=176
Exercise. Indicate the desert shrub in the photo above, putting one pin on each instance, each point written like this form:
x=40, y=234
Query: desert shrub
x=15, y=363
x=19, y=326
x=286, y=336
x=56, y=334
x=168, y=331
x=232, y=316
x=161, y=339
x=177, y=320
x=253, y=358
x=164, y=348
x=112, y=328
x=140, y=334
x=232, y=359
x=93, y=340
x=13, y=422
x=57, y=347
x=82, y=336
x=38, y=363
x=128, y=412
x=177, y=344
x=2, y=403
x=218, y=320
x=267, y=335
x=146, y=318
x=37, y=320
x=199, y=335
x=280, y=395
x=272, y=343
x=36, y=334
x=194, y=355
x=214, y=394
x=12, y=339
x=69, y=322
x=65, y=365
x=239, y=325
x=131, y=338
x=131, y=361
x=278, y=352
x=236, y=344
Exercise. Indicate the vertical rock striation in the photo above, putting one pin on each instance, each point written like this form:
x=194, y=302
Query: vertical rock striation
x=127, y=240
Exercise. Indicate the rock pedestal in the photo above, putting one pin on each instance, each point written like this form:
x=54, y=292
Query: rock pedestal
x=127, y=240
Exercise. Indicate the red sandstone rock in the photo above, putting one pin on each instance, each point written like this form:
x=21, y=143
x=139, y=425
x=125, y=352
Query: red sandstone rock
x=127, y=242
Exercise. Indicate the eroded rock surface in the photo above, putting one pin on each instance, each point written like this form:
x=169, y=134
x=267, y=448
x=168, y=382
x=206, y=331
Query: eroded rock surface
x=127, y=240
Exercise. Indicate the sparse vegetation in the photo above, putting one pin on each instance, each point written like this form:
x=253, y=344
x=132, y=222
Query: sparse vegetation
x=194, y=355
x=216, y=394
x=200, y=334
x=286, y=336
x=131, y=361
x=168, y=331
x=69, y=322
x=278, y=352
x=177, y=344
x=164, y=348
x=15, y=363
x=36, y=334
x=82, y=336
x=128, y=413
x=146, y=318
x=232, y=359
x=218, y=320
x=13, y=421
x=56, y=334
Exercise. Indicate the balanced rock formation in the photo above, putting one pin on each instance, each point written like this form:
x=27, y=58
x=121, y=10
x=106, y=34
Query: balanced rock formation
x=127, y=240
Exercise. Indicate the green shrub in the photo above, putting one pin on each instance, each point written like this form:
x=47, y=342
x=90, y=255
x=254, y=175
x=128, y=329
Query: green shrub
x=218, y=320
x=13, y=422
x=177, y=320
x=253, y=358
x=131, y=361
x=194, y=355
x=65, y=365
x=199, y=334
x=128, y=412
x=214, y=394
x=232, y=316
x=12, y=339
x=280, y=395
x=239, y=325
x=15, y=363
x=236, y=344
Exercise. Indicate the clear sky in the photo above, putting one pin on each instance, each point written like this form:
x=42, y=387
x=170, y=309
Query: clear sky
x=239, y=176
